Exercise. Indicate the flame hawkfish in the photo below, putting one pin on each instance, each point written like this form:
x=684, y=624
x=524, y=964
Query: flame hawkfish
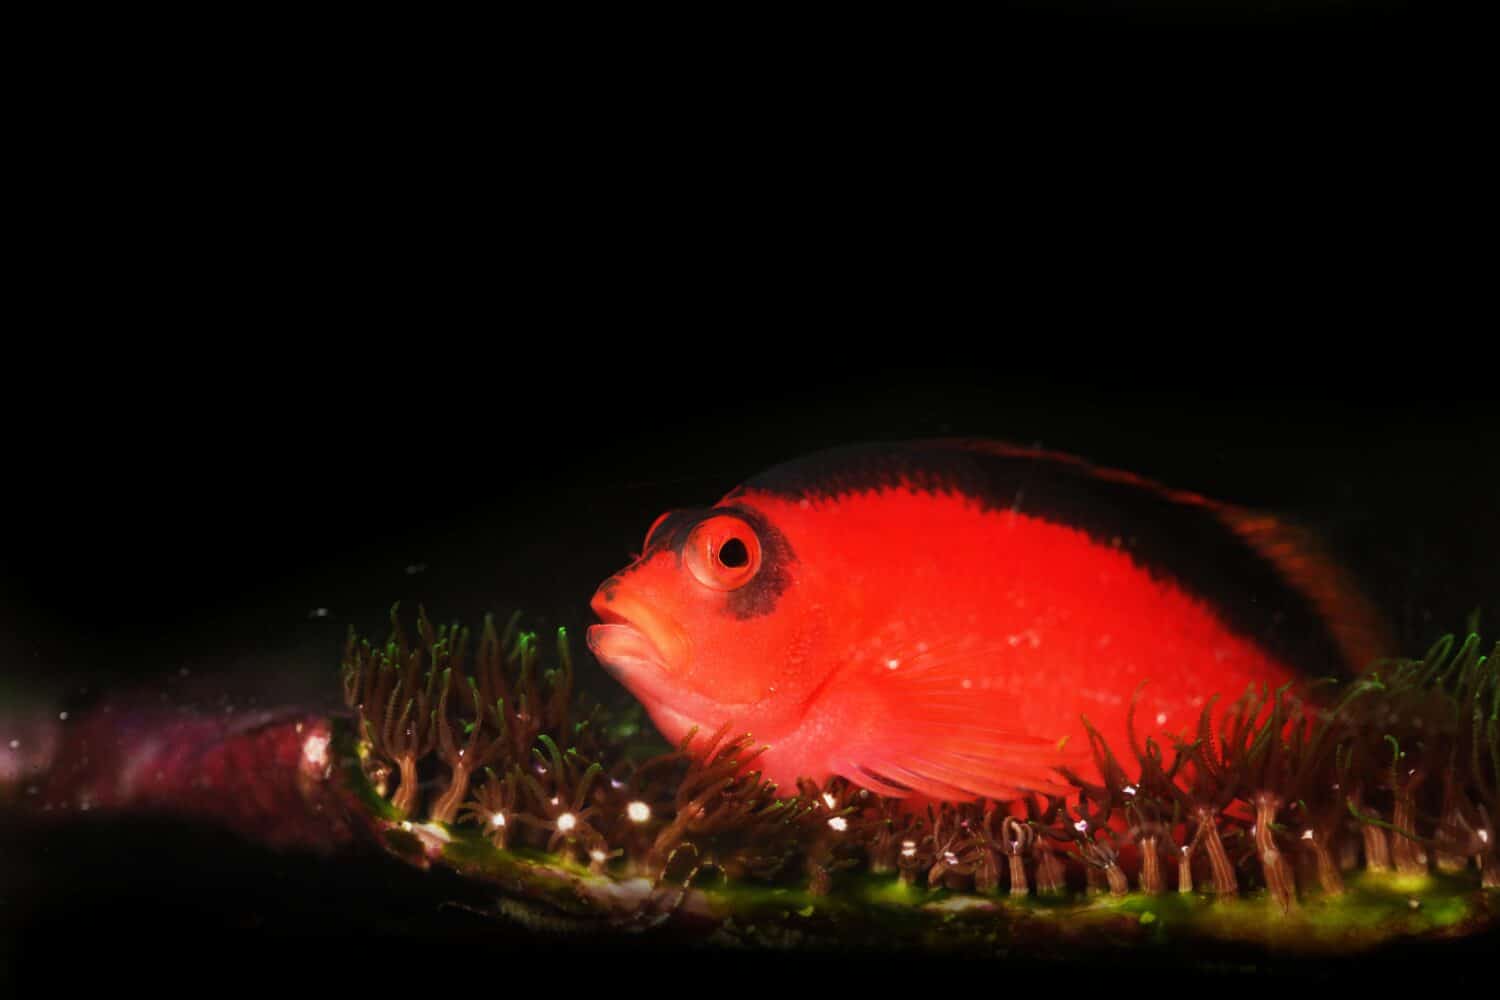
x=937, y=617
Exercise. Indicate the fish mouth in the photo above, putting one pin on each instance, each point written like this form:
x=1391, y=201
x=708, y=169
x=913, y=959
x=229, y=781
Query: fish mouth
x=623, y=648
x=628, y=653
x=650, y=654
x=636, y=642
x=641, y=648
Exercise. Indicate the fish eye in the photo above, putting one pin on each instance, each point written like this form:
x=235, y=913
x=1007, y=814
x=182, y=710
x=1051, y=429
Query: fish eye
x=723, y=553
x=733, y=553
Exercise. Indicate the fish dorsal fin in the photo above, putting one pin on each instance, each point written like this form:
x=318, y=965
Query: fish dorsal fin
x=942, y=736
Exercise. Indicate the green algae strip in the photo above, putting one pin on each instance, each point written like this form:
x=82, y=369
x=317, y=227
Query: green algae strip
x=1376, y=908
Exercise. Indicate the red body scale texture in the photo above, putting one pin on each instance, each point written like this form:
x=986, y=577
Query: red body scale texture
x=1043, y=623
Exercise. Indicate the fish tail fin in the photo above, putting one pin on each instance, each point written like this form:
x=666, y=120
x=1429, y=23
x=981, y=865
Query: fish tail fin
x=1362, y=634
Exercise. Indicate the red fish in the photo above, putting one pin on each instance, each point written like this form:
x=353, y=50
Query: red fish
x=935, y=617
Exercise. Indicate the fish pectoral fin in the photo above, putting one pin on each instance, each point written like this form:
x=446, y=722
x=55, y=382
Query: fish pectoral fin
x=959, y=767
x=931, y=725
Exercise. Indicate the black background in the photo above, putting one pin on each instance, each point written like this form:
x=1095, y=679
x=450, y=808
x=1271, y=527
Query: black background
x=317, y=363
x=202, y=530
x=196, y=524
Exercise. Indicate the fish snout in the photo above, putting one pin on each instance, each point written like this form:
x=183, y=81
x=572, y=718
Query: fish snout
x=635, y=633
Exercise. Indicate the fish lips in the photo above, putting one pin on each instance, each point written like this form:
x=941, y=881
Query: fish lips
x=635, y=661
x=636, y=641
x=628, y=651
x=625, y=650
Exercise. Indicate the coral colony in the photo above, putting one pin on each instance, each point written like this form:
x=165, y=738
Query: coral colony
x=1379, y=800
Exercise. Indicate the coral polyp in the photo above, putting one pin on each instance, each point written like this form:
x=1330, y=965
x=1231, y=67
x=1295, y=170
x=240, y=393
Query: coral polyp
x=1303, y=809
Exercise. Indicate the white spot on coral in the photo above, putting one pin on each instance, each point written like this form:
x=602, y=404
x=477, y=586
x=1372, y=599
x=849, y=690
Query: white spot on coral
x=598, y=855
x=839, y=823
x=1307, y=835
x=498, y=819
x=638, y=812
x=566, y=822
x=315, y=750
x=908, y=848
x=1081, y=826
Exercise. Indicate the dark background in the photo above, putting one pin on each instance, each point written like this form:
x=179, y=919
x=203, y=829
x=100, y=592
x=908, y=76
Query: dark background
x=197, y=521
x=275, y=353
x=231, y=521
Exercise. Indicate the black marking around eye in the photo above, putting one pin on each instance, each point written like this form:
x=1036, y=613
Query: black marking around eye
x=759, y=596
x=673, y=531
x=1189, y=545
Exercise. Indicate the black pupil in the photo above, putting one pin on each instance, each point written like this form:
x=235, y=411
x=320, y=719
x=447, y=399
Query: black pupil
x=734, y=554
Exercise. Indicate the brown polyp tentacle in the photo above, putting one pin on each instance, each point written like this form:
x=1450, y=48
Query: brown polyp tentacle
x=1224, y=881
x=1017, y=838
x=1278, y=873
x=1152, y=881
x=1185, y=867
x=407, y=791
